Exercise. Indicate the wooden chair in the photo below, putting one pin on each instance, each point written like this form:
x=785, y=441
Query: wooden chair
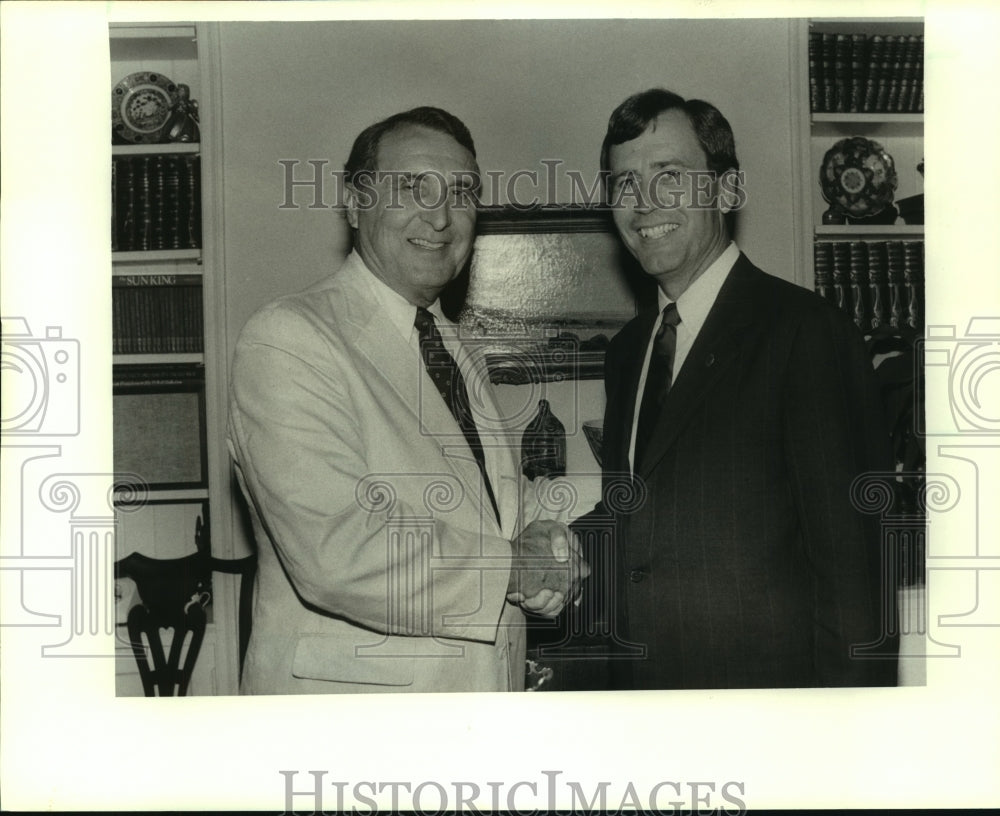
x=174, y=594
x=170, y=674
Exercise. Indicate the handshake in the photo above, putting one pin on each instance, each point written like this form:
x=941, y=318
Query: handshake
x=546, y=568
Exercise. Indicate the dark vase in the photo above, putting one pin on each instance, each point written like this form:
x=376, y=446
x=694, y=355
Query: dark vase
x=183, y=123
x=543, y=445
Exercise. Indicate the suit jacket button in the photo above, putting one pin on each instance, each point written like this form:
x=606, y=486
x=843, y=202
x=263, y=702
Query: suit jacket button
x=710, y=361
x=636, y=575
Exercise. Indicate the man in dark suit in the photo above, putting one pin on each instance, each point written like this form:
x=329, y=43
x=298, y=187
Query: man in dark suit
x=742, y=408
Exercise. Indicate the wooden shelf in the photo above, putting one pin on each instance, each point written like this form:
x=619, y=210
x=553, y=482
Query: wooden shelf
x=887, y=231
x=868, y=118
x=153, y=43
x=156, y=256
x=170, y=148
x=180, y=494
x=152, y=31
x=868, y=25
x=156, y=359
x=839, y=125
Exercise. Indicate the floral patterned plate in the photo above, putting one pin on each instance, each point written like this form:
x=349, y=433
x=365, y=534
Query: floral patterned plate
x=857, y=177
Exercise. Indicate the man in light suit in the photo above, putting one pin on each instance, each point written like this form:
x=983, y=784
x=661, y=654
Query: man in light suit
x=386, y=503
x=743, y=407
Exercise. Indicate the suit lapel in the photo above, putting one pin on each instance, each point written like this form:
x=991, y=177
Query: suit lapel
x=717, y=345
x=399, y=365
x=503, y=466
x=377, y=341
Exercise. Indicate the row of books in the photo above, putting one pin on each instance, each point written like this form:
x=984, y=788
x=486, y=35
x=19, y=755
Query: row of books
x=857, y=73
x=156, y=202
x=157, y=377
x=156, y=314
x=879, y=283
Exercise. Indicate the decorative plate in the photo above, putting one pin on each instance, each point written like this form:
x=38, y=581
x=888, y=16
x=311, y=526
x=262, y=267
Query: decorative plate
x=858, y=177
x=141, y=105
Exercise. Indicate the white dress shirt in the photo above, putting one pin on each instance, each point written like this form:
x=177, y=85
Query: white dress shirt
x=693, y=307
x=401, y=314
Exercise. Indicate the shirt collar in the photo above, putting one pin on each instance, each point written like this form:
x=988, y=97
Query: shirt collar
x=395, y=307
x=696, y=301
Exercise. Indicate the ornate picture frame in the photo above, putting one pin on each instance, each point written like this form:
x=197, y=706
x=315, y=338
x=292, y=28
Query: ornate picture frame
x=547, y=288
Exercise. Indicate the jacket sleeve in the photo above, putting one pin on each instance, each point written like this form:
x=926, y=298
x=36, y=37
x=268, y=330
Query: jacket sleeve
x=340, y=535
x=834, y=431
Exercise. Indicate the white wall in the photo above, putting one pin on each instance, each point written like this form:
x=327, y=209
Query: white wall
x=528, y=90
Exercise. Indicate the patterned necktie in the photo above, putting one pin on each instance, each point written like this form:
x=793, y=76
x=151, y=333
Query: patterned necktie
x=658, y=378
x=443, y=371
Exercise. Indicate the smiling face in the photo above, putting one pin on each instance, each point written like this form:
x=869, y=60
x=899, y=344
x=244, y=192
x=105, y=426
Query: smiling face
x=666, y=206
x=415, y=219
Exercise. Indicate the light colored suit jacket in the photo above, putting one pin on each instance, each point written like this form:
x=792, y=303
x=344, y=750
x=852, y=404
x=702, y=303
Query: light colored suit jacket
x=381, y=564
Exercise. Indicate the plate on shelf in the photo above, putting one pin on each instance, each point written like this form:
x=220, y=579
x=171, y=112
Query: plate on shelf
x=140, y=107
x=858, y=177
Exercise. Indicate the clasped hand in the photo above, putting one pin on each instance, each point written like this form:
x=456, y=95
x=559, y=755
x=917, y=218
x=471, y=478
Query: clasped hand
x=546, y=568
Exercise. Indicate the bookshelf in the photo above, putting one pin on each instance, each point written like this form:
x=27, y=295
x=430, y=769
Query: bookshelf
x=168, y=355
x=861, y=78
x=864, y=78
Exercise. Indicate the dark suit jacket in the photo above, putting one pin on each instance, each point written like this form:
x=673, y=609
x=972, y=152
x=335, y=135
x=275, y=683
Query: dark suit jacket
x=746, y=564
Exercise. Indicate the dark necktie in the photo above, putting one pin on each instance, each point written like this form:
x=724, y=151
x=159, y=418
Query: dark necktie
x=658, y=378
x=443, y=371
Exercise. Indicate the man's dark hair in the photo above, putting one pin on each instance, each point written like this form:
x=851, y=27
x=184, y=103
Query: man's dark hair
x=631, y=118
x=364, y=153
